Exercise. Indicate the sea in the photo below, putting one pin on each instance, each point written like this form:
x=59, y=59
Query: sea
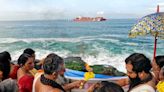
x=105, y=43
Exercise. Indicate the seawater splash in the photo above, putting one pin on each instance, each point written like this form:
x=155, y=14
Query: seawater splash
x=91, y=50
x=104, y=43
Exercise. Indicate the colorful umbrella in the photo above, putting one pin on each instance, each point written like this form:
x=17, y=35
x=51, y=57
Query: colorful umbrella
x=152, y=24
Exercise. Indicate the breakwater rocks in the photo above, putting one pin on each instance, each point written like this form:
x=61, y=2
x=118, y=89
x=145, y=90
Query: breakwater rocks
x=76, y=63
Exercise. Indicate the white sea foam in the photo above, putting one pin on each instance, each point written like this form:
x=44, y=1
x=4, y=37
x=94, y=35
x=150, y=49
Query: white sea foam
x=102, y=57
x=111, y=35
x=28, y=40
x=15, y=54
x=131, y=43
x=145, y=52
x=8, y=40
x=40, y=53
x=106, y=59
x=109, y=39
x=78, y=39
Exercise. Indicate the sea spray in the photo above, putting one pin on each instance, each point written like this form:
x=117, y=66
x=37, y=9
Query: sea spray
x=104, y=43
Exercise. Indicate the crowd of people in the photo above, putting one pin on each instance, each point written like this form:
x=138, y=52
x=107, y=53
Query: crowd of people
x=47, y=75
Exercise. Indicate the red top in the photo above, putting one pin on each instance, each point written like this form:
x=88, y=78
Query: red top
x=25, y=83
x=13, y=73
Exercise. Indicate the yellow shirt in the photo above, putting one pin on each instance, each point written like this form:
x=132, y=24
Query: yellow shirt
x=160, y=86
x=33, y=71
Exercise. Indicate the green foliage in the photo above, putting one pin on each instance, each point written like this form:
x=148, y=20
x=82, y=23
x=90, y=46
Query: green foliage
x=75, y=65
x=98, y=68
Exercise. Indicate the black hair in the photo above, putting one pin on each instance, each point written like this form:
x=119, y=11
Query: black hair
x=2, y=68
x=109, y=87
x=52, y=63
x=160, y=61
x=29, y=51
x=23, y=59
x=7, y=55
x=5, y=59
x=139, y=62
x=51, y=55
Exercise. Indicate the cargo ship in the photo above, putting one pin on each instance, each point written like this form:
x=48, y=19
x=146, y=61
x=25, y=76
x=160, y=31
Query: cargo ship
x=89, y=19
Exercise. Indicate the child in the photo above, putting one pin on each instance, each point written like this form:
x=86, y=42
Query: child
x=160, y=85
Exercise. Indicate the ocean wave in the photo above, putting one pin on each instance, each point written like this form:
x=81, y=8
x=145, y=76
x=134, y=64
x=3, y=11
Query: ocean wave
x=8, y=40
x=40, y=53
x=111, y=35
x=78, y=39
x=107, y=59
x=28, y=40
x=98, y=55
x=131, y=43
x=102, y=56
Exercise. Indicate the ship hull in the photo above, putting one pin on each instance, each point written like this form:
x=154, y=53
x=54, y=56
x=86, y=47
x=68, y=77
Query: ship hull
x=88, y=19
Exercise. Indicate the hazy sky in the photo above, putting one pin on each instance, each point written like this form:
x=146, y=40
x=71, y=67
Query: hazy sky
x=68, y=9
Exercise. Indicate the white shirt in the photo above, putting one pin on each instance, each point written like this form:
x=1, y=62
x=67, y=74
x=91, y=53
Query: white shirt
x=143, y=88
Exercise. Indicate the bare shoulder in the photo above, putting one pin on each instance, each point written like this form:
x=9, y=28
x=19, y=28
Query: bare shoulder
x=56, y=90
x=20, y=73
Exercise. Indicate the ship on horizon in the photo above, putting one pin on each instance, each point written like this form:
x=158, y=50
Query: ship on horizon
x=89, y=19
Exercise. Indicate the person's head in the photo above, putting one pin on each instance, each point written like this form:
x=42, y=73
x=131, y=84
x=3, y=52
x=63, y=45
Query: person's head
x=1, y=70
x=26, y=61
x=5, y=59
x=106, y=86
x=137, y=66
x=61, y=62
x=158, y=63
x=29, y=51
x=7, y=55
x=53, y=64
x=161, y=74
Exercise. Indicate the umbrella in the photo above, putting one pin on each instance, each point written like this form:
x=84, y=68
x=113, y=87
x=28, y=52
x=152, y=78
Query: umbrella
x=152, y=24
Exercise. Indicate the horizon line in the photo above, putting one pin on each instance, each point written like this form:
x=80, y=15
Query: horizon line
x=57, y=19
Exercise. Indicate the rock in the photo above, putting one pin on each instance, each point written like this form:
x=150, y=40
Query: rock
x=107, y=70
x=75, y=63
